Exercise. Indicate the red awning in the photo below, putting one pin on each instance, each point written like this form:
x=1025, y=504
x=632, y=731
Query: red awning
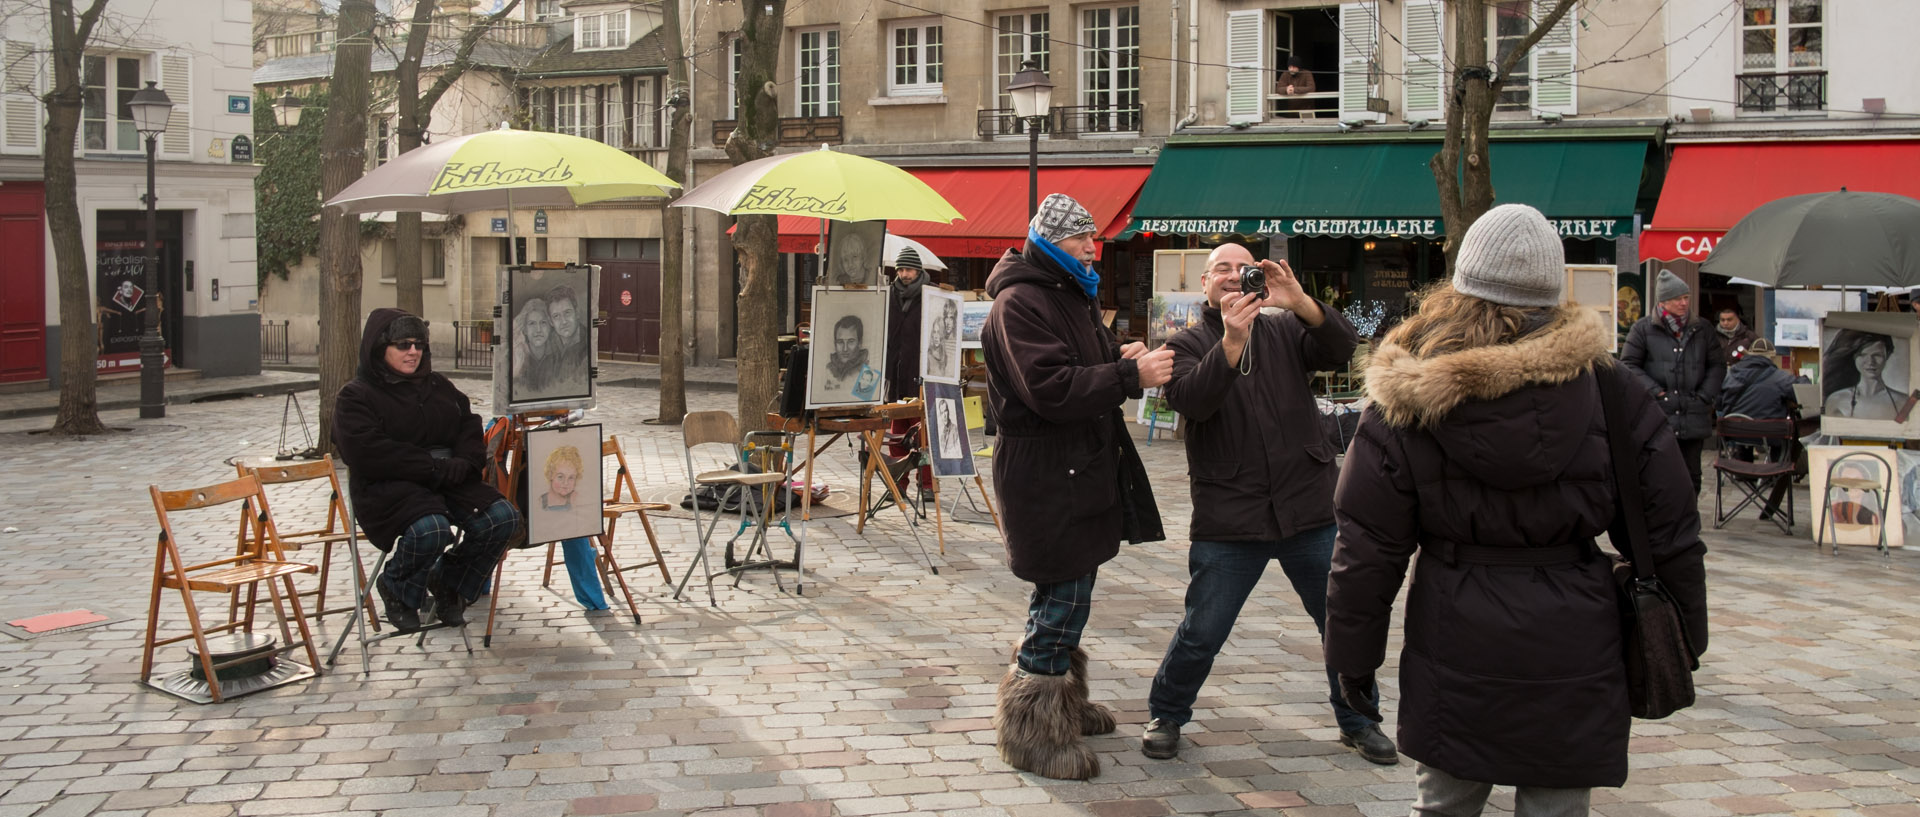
x=994, y=201
x=1710, y=187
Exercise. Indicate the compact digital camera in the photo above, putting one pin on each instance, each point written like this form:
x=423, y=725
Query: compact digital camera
x=1253, y=282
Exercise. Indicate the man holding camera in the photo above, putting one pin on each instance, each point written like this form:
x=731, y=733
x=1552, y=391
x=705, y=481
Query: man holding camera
x=1262, y=475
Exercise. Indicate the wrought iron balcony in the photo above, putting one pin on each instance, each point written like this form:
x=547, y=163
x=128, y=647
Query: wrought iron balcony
x=1772, y=93
x=794, y=131
x=993, y=123
x=1095, y=119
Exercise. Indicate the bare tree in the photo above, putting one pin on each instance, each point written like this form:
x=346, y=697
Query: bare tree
x=673, y=247
x=79, y=408
x=1463, y=168
x=343, y=159
x=756, y=238
x=416, y=113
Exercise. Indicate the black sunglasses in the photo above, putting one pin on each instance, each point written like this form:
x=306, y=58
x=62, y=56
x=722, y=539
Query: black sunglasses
x=409, y=345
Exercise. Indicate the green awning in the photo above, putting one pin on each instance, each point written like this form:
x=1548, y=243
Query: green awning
x=1587, y=187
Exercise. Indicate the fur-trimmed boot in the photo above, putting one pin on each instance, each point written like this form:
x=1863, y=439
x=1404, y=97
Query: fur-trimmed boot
x=1037, y=725
x=1095, y=719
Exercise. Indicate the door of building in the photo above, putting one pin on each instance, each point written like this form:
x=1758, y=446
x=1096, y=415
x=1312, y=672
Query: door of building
x=23, y=287
x=629, y=295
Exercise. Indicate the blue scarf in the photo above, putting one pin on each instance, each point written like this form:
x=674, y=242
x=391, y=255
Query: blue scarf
x=1088, y=279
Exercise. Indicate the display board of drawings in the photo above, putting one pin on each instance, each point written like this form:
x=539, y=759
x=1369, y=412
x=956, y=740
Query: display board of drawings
x=544, y=341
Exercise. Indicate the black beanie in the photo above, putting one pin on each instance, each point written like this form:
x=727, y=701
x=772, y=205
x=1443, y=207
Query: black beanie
x=405, y=326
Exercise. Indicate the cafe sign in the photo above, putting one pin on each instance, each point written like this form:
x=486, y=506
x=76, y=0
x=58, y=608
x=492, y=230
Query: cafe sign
x=1419, y=227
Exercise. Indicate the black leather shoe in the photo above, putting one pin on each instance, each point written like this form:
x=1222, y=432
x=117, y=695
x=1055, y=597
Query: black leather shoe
x=448, y=606
x=1372, y=744
x=1161, y=740
x=403, y=618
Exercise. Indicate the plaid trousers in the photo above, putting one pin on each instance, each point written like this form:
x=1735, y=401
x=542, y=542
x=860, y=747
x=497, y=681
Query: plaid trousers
x=426, y=555
x=1056, y=615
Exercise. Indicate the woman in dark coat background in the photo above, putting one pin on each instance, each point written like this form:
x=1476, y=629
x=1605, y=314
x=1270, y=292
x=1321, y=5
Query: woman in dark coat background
x=414, y=451
x=1484, y=452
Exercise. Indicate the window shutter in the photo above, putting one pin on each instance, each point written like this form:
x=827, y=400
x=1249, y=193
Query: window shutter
x=19, y=100
x=1553, y=63
x=1422, y=21
x=1359, y=42
x=616, y=116
x=176, y=78
x=1247, y=78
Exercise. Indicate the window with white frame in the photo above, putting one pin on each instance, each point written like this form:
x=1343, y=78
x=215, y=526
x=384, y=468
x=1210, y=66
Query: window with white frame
x=616, y=26
x=106, y=123
x=1782, y=35
x=914, y=59
x=646, y=113
x=1109, y=70
x=1512, y=21
x=819, y=72
x=547, y=10
x=1018, y=38
x=736, y=52
x=1543, y=81
x=587, y=34
x=382, y=140
x=613, y=112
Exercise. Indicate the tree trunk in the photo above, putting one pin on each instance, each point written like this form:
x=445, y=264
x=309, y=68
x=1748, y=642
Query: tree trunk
x=406, y=225
x=79, y=347
x=673, y=246
x=1463, y=169
x=343, y=158
x=756, y=239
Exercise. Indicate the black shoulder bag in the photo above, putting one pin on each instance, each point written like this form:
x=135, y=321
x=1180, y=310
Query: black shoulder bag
x=1660, y=661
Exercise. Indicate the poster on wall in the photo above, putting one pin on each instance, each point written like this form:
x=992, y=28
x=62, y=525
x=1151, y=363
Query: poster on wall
x=120, y=281
x=547, y=343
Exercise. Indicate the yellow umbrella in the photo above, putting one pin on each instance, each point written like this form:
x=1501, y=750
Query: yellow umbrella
x=502, y=168
x=822, y=184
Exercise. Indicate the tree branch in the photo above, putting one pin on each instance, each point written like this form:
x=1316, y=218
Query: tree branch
x=463, y=58
x=1533, y=38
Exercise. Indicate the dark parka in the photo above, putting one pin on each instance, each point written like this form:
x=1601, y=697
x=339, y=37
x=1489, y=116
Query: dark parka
x=1510, y=674
x=1261, y=468
x=1757, y=388
x=1056, y=381
x=385, y=427
x=1683, y=374
x=903, y=341
x=1732, y=347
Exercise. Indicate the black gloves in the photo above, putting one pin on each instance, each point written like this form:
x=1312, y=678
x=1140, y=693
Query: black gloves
x=1359, y=695
x=455, y=471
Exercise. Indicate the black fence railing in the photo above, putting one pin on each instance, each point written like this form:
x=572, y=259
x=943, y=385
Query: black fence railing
x=473, y=345
x=1078, y=119
x=794, y=131
x=996, y=122
x=1770, y=93
x=273, y=342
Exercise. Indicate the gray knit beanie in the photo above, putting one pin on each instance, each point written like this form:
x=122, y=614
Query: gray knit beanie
x=908, y=259
x=1668, y=287
x=1512, y=256
x=1061, y=218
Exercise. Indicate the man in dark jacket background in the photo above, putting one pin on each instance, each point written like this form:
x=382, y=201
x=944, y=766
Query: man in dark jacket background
x=1675, y=356
x=1734, y=335
x=903, y=354
x=1757, y=388
x=1069, y=481
x=415, y=453
x=1262, y=477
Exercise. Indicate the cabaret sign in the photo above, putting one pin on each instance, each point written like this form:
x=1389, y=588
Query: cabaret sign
x=1422, y=227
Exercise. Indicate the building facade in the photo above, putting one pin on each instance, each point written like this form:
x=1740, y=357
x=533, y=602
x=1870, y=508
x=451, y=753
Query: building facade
x=200, y=54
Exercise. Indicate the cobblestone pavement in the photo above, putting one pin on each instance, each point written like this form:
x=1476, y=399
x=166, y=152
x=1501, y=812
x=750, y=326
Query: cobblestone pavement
x=870, y=695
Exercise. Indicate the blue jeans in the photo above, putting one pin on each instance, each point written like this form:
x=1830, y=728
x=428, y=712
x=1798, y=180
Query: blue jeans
x=1224, y=574
x=1056, y=615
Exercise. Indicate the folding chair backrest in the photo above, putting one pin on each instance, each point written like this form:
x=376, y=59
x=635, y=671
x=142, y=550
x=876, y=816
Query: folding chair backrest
x=279, y=474
x=264, y=541
x=702, y=427
x=976, y=412
x=1737, y=425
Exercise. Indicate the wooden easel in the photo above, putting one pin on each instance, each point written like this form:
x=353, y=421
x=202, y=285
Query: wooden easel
x=871, y=423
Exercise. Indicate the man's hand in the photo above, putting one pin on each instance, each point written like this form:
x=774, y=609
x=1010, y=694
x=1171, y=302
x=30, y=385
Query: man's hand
x=1237, y=312
x=1132, y=350
x=1283, y=290
x=1358, y=693
x=1156, y=367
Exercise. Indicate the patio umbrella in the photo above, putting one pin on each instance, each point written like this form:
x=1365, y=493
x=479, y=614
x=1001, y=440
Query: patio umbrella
x=896, y=243
x=502, y=168
x=1825, y=239
x=822, y=184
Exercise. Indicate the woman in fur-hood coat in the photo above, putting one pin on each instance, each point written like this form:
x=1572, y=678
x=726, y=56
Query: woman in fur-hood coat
x=1484, y=456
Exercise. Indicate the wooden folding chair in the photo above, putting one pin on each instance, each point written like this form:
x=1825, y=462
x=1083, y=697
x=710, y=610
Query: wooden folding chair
x=263, y=561
x=336, y=530
x=623, y=500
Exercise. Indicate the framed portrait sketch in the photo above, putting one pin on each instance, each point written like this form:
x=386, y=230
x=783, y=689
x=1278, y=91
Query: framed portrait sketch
x=849, y=348
x=946, y=420
x=545, y=342
x=563, y=484
x=939, y=336
x=1867, y=377
x=853, y=252
x=973, y=318
x=1853, y=516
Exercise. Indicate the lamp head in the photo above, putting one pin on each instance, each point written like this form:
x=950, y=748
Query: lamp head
x=1032, y=93
x=286, y=110
x=150, y=107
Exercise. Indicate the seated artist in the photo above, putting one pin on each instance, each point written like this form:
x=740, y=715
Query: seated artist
x=415, y=453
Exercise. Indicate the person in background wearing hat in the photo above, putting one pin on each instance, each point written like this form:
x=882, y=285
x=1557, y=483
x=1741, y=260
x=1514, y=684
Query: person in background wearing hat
x=903, y=358
x=1735, y=336
x=1676, y=358
x=1262, y=477
x=1070, y=483
x=1757, y=388
x=415, y=453
x=1483, y=453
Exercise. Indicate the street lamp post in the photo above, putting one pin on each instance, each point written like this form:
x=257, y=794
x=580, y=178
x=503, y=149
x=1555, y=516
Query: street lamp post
x=150, y=108
x=1032, y=95
x=286, y=111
